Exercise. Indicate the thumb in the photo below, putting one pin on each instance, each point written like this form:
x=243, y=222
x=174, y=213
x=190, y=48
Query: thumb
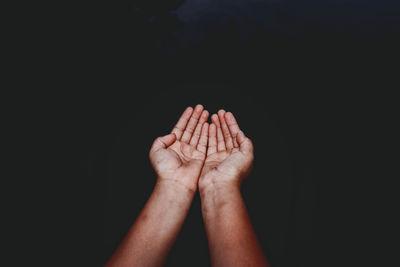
x=163, y=142
x=245, y=144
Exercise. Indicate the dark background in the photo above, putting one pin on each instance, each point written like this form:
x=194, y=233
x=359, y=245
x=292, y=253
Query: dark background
x=306, y=80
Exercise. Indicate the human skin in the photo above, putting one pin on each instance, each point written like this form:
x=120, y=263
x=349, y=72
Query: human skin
x=177, y=159
x=213, y=158
x=232, y=240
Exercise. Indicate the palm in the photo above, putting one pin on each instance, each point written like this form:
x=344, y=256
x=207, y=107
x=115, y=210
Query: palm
x=222, y=161
x=226, y=164
x=179, y=157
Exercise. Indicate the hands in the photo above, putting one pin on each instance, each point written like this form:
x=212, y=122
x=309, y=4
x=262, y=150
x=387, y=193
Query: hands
x=214, y=157
x=229, y=155
x=179, y=156
x=218, y=154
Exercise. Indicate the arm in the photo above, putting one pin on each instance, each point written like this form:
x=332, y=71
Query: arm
x=177, y=159
x=151, y=237
x=231, y=237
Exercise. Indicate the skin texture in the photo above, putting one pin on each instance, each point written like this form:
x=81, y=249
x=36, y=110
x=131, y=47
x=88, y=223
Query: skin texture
x=229, y=155
x=195, y=155
x=180, y=155
x=231, y=238
x=177, y=159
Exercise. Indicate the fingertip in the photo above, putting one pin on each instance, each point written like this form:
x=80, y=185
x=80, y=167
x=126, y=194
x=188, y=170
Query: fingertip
x=199, y=107
x=188, y=112
x=228, y=115
x=205, y=114
x=215, y=119
x=221, y=112
x=171, y=136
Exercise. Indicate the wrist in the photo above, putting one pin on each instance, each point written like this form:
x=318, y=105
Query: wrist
x=214, y=182
x=176, y=186
x=219, y=189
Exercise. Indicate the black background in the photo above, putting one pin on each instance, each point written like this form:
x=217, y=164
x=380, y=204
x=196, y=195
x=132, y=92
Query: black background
x=297, y=74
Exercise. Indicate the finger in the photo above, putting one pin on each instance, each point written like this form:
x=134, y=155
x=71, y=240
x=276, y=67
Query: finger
x=181, y=124
x=245, y=144
x=215, y=120
x=233, y=127
x=202, y=146
x=163, y=142
x=191, y=125
x=212, y=139
x=220, y=137
x=197, y=132
x=225, y=130
x=220, y=140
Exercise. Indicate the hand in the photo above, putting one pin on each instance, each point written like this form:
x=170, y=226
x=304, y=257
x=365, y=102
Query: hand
x=179, y=156
x=229, y=155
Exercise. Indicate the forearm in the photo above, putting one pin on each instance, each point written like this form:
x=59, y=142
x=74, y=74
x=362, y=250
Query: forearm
x=156, y=228
x=231, y=238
